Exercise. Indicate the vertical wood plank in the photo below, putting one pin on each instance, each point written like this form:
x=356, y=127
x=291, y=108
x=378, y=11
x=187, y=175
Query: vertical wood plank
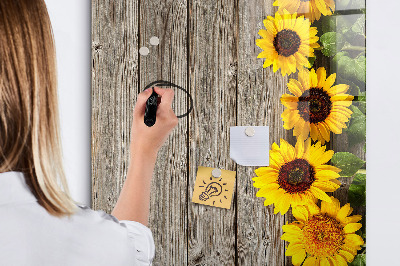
x=259, y=92
x=114, y=90
x=213, y=71
x=167, y=20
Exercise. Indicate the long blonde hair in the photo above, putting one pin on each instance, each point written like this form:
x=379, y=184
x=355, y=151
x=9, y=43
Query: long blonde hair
x=29, y=118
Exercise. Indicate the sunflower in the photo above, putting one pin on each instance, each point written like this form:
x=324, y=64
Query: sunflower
x=311, y=9
x=316, y=108
x=296, y=175
x=287, y=42
x=323, y=236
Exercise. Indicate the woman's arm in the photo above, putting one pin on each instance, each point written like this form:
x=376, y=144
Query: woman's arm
x=134, y=200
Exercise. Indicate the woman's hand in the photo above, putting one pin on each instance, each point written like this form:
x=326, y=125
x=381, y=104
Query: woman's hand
x=134, y=200
x=148, y=140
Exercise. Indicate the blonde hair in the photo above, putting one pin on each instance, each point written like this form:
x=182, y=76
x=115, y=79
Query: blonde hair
x=29, y=118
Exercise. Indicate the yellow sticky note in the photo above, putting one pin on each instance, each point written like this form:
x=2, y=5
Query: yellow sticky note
x=214, y=191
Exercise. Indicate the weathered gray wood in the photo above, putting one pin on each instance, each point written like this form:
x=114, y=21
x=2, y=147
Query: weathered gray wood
x=259, y=92
x=213, y=68
x=114, y=90
x=167, y=20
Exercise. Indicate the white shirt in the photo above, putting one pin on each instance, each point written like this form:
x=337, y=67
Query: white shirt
x=29, y=235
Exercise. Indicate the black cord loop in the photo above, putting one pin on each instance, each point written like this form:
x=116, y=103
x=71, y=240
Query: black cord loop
x=163, y=83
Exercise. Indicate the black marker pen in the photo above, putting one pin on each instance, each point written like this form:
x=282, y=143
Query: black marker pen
x=151, y=109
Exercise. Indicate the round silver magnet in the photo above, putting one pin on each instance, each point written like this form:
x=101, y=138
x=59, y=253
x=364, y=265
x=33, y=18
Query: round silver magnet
x=144, y=51
x=216, y=173
x=154, y=40
x=249, y=131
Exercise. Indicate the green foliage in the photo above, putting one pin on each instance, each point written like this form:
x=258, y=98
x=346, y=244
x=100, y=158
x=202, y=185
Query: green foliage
x=359, y=25
x=357, y=127
x=331, y=42
x=347, y=162
x=350, y=68
x=312, y=61
x=359, y=260
x=357, y=190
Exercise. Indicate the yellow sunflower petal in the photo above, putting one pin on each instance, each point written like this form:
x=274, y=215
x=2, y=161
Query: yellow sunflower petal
x=261, y=181
x=283, y=204
x=341, y=88
x=324, y=131
x=325, y=175
x=299, y=149
x=269, y=25
x=324, y=158
x=351, y=228
x=293, y=249
x=321, y=74
x=298, y=258
x=342, y=213
x=320, y=194
x=288, y=150
x=327, y=167
x=340, y=260
x=324, y=262
x=300, y=213
x=265, y=171
x=354, y=239
x=347, y=255
x=276, y=158
x=314, y=78
x=329, y=82
x=353, y=219
x=288, y=228
x=291, y=237
x=273, y=196
x=310, y=261
x=295, y=87
x=326, y=186
x=266, y=189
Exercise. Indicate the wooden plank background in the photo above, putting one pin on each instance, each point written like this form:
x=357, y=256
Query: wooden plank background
x=208, y=47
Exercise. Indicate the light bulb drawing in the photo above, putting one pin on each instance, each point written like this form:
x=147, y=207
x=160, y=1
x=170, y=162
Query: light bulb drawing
x=213, y=189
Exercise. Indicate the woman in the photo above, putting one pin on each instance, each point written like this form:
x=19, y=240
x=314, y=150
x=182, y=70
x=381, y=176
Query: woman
x=40, y=222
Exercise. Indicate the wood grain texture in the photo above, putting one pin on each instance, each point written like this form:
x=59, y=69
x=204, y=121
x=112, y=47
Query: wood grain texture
x=167, y=20
x=258, y=103
x=213, y=68
x=208, y=47
x=114, y=90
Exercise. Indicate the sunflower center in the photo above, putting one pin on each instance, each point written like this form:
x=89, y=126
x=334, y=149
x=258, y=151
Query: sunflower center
x=296, y=176
x=322, y=235
x=314, y=105
x=287, y=42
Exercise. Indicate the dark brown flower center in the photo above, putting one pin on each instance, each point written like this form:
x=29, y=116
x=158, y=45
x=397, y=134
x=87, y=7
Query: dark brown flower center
x=296, y=176
x=323, y=235
x=287, y=42
x=314, y=105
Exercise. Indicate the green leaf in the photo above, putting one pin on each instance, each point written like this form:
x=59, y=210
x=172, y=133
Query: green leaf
x=359, y=260
x=357, y=195
x=331, y=42
x=360, y=68
x=311, y=60
x=328, y=24
x=347, y=162
x=359, y=25
x=357, y=127
x=350, y=68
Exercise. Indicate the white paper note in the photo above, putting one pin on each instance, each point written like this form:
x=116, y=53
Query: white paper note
x=250, y=150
